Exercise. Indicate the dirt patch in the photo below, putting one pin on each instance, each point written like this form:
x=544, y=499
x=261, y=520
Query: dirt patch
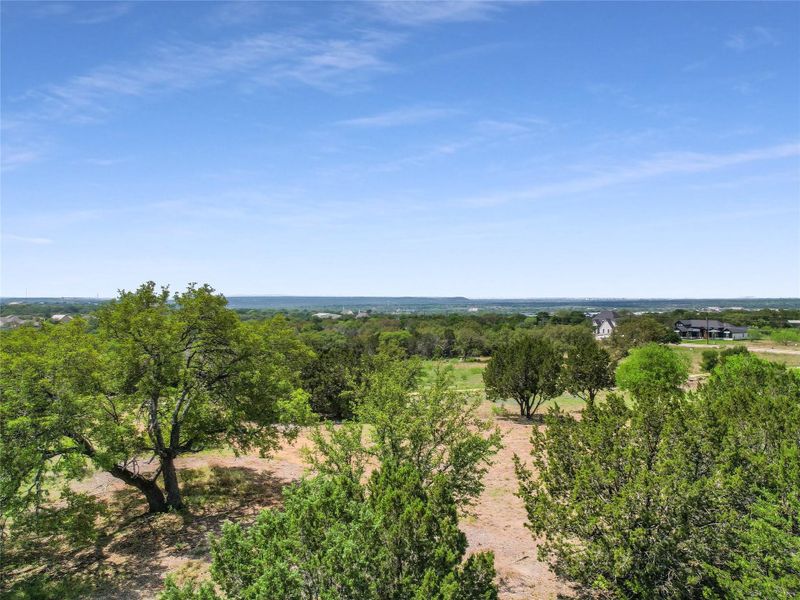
x=499, y=523
x=132, y=560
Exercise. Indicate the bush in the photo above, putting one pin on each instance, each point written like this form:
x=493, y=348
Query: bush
x=785, y=336
x=710, y=360
x=675, y=495
x=395, y=537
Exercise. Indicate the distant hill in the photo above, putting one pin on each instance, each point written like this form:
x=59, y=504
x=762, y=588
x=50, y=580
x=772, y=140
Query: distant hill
x=421, y=304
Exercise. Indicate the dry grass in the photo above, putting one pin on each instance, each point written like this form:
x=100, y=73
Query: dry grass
x=137, y=550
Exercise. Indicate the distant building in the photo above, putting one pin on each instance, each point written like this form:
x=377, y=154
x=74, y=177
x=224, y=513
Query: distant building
x=701, y=329
x=324, y=315
x=604, y=323
x=362, y=315
x=793, y=322
x=11, y=321
x=61, y=318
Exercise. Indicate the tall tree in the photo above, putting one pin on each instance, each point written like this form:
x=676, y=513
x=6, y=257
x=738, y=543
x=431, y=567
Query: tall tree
x=469, y=341
x=527, y=368
x=164, y=377
x=330, y=375
x=588, y=367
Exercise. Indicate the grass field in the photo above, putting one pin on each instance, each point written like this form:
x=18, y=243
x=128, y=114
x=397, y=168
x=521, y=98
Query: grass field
x=695, y=356
x=468, y=376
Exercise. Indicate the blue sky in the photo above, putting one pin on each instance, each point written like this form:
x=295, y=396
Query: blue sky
x=477, y=149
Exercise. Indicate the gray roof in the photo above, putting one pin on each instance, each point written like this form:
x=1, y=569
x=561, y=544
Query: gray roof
x=707, y=324
x=605, y=315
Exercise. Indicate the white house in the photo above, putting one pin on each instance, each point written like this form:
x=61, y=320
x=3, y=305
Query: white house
x=61, y=318
x=604, y=323
x=326, y=315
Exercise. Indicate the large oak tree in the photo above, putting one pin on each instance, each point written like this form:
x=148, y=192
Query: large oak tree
x=164, y=376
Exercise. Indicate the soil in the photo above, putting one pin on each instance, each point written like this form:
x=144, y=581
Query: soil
x=135, y=558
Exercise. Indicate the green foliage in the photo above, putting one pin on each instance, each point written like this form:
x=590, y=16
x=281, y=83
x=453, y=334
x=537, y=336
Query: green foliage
x=526, y=368
x=588, y=367
x=163, y=377
x=469, y=342
x=395, y=536
x=785, y=336
x=674, y=496
x=638, y=331
x=428, y=425
x=568, y=317
x=72, y=522
x=710, y=360
x=331, y=376
x=60, y=586
x=652, y=371
x=47, y=381
x=395, y=343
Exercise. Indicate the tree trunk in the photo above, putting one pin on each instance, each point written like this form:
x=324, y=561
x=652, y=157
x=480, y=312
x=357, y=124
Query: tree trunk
x=155, y=497
x=171, y=486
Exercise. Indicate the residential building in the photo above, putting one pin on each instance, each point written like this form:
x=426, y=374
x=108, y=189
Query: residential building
x=604, y=323
x=712, y=329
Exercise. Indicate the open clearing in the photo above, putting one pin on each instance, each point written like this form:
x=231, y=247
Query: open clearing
x=133, y=559
x=787, y=355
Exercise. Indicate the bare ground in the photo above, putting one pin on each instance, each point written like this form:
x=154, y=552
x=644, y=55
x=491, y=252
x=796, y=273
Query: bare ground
x=131, y=562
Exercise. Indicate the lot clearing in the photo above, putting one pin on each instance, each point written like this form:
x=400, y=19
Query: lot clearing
x=132, y=558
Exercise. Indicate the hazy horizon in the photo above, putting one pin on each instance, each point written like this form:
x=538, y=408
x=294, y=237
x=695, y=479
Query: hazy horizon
x=456, y=297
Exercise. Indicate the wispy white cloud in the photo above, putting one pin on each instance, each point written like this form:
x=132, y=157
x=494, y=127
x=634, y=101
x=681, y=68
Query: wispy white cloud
x=509, y=128
x=39, y=241
x=94, y=13
x=750, y=84
x=697, y=65
x=80, y=13
x=400, y=12
x=753, y=37
x=402, y=116
x=331, y=64
x=235, y=12
x=15, y=155
x=667, y=164
x=103, y=162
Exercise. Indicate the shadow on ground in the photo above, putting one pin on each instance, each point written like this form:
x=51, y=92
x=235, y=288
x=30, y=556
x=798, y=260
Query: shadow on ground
x=136, y=550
